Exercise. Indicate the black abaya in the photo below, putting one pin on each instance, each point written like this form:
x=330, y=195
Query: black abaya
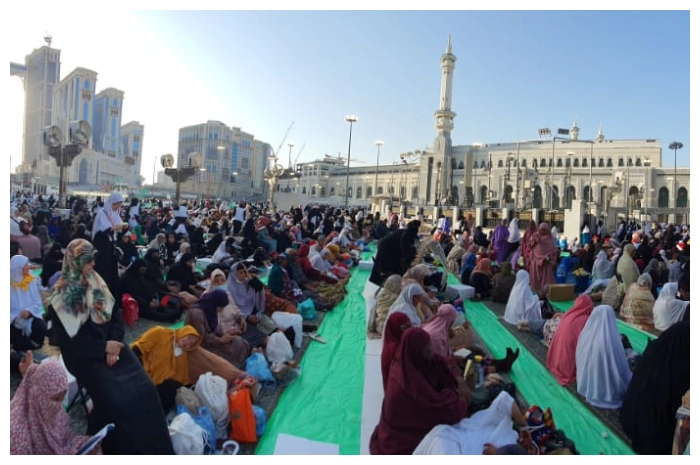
x=106, y=262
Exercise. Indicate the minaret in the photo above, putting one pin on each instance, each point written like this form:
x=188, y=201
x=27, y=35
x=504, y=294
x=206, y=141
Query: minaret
x=574, y=131
x=442, y=147
x=600, y=137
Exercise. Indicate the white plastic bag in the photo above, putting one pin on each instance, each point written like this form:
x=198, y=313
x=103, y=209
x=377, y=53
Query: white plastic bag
x=211, y=389
x=186, y=435
x=279, y=350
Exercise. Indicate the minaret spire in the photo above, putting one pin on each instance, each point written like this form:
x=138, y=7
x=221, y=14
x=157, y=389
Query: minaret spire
x=444, y=117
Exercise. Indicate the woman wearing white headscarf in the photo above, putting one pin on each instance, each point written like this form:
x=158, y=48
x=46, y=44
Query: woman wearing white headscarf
x=602, y=267
x=407, y=301
x=107, y=224
x=602, y=371
x=513, y=236
x=27, y=327
x=667, y=308
x=320, y=261
x=522, y=304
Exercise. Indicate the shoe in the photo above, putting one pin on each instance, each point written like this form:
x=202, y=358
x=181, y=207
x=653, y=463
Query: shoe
x=317, y=338
x=523, y=325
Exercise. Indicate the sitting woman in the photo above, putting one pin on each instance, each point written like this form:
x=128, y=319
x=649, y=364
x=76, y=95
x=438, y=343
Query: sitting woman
x=184, y=249
x=561, y=356
x=480, y=279
x=669, y=309
x=602, y=371
x=182, y=273
x=128, y=248
x=311, y=272
x=325, y=295
x=260, y=307
x=136, y=283
x=224, y=342
x=468, y=265
x=407, y=302
x=603, y=268
x=231, y=318
x=396, y=325
x=224, y=253
x=385, y=297
x=417, y=274
x=454, y=258
x=172, y=248
x=90, y=332
x=503, y=283
x=481, y=433
x=523, y=305
x=38, y=423
x=421, y=393
x=27, y=326
x=53, y=261
x=174, y=358
x=659, y=381
x=637, y=308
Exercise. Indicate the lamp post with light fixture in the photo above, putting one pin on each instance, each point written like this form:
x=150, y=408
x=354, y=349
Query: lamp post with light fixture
x=379, y=144
x=350, y=119
x=79, y=136
x=181, y=173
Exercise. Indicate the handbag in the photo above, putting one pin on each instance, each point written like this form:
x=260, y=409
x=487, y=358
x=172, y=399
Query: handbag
x=204, y=420
x=242, y=416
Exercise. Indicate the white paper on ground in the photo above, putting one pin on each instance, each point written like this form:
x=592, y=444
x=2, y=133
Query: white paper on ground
x=295, y=445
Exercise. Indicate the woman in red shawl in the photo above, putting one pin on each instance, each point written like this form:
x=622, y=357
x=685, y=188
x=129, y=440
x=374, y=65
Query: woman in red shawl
x=396, y=324
x=543, y=261
x=308, y=269
x=420, y=394
x=526, y=243
x=561, y=356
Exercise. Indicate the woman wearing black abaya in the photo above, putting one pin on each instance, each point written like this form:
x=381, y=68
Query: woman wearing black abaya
x=659, y=381
x=135, y=282
x=108, y=223
x=90, y=332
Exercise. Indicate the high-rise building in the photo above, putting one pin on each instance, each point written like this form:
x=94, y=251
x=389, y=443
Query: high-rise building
x=241, y=155
x=107, y=122
x=132, y=148
x=213, y=140
x=39, y=74
x=258, y=163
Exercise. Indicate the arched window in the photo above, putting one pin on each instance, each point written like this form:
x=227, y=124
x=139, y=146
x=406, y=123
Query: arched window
x=369, y=192
x=629, y=162
x=610, y=163
x=483, y=194
x=559, y=164
x=534, y=162
x=349, y=192
x=380, y=190
x=620, y=162
x=584, y=163
x=313, y=190
x=537, y=197
x=483, y=164
x=476, y=165
x=322, y=191
x=461, y=165
x=592, y=163
x=555, y=198
x=638, y=162
x=303, y=190
x=543, y=163
x=576, y=162
x=663, y=197
x=523, y=163
x=682, y=198
x=586, y=193
x=601, y=162
x=359, y=192
x=508, y=195
x=332, y=191
x=568, y=162
x=500, y=163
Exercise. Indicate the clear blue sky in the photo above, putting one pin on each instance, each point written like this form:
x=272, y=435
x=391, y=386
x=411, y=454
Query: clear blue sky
x=515, y=72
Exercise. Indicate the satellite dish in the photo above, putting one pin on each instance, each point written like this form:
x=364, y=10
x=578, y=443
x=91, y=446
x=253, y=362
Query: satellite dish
x=53, y=136
x=167, y=161
x=80, y=132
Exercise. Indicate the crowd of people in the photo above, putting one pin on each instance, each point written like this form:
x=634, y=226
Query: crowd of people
x=202, y=263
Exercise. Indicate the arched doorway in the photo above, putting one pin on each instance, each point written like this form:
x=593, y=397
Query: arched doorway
x=508, y=195
x=570, y=196
x=369, y=192
x=483, y=194
x=682, y=198
x=537, y=197
x=632, y=197
x=663, y=198
x=555, y=198
x=587, y=193
x=380, y=190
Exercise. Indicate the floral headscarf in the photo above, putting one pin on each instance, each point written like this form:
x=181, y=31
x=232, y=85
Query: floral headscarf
x=78, y=296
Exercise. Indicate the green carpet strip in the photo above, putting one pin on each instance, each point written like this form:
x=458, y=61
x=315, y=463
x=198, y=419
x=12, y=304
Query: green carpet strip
x=539, y=387
x=325, y=403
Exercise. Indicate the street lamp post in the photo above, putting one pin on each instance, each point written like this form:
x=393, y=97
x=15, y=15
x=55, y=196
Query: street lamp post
x=79, y=135
x=290, y=145
x=675, y=146
x=379, y=144
x=350, y=119
x=181, y=173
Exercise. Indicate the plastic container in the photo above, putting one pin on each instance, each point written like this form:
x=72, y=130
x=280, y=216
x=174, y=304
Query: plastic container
x=479, y=368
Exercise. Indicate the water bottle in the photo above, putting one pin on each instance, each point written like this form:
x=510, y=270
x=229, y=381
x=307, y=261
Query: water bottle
x=478, y=364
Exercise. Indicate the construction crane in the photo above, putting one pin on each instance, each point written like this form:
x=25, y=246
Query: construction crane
x=298, y=154
x=286, y=134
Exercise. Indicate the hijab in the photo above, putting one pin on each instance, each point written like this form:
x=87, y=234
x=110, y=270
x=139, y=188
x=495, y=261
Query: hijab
x=158, y=355
x=79, y=296
x=602, y=267
x=209, y=303
x=602, y=371
x=627, y=270
x=38, y=423
x=439, y=327
x=660, y=379
x=667, y=308
x=404, y=303
x=396, y=325
x=561, y=356
x=468, y=262
x=522, y=303
x=513, y=231
x=243, y=294
x=483, y=266
x=545, y=242
x=107, y=217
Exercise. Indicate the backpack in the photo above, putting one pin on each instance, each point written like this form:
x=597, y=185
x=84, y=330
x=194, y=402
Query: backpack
x=130, y=309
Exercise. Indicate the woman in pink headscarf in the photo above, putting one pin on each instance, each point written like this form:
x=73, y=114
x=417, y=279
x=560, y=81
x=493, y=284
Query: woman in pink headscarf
x=561, y=356
x=439, y=329
x=526, y=242
x=543, y=261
